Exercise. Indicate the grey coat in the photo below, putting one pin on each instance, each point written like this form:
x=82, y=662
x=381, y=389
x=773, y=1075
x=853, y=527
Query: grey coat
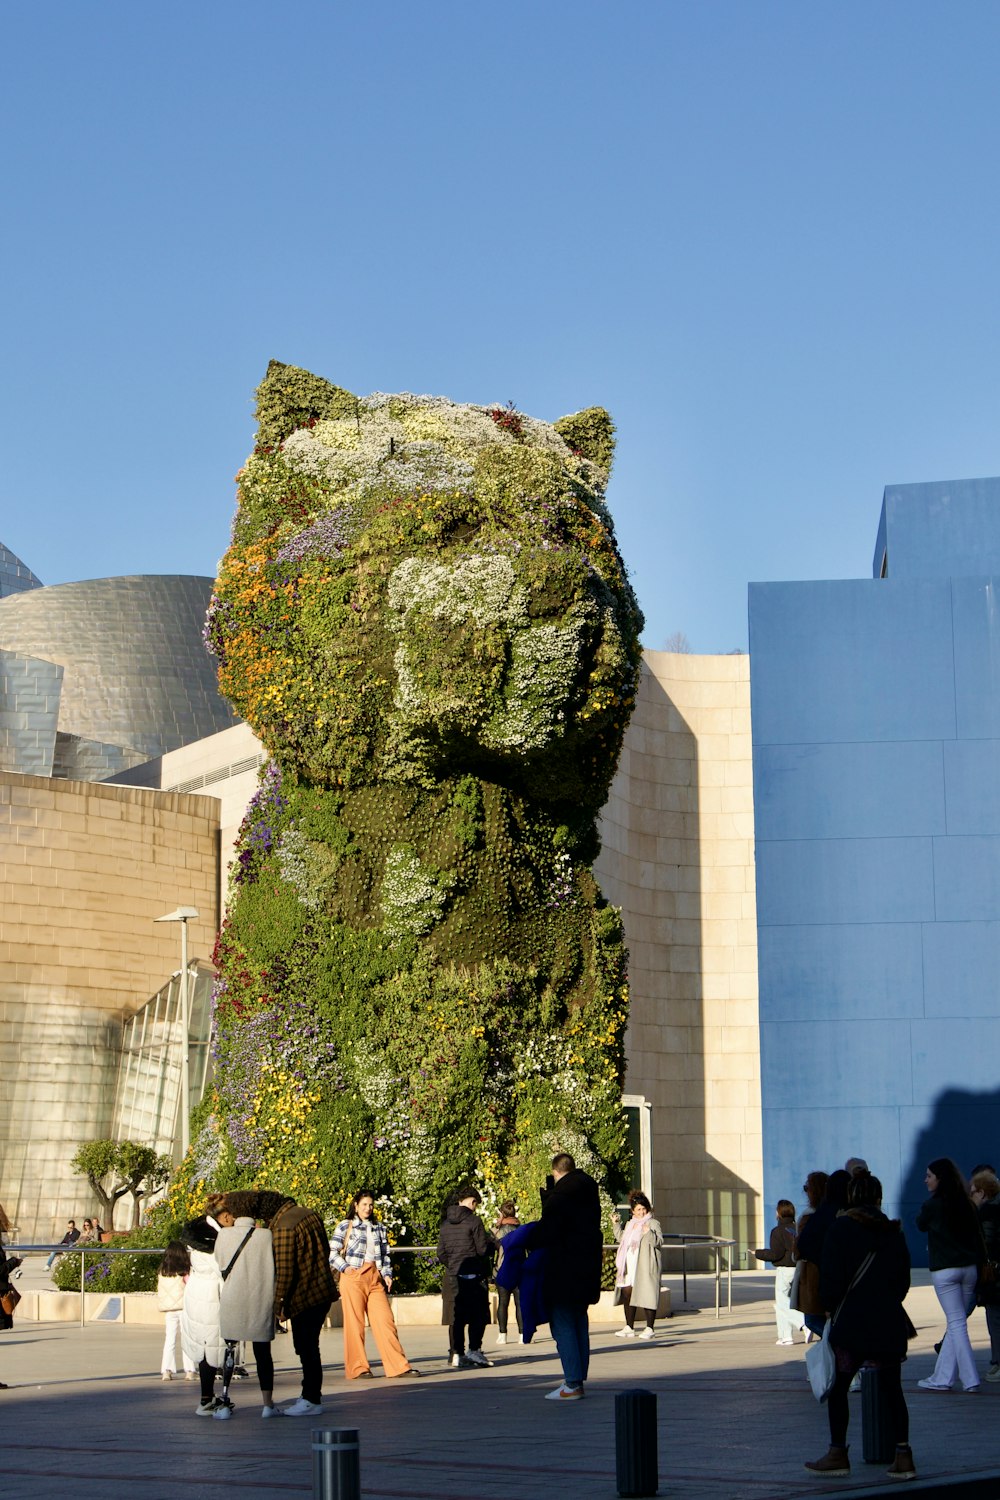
x=246, y=1309
x=646, y=1283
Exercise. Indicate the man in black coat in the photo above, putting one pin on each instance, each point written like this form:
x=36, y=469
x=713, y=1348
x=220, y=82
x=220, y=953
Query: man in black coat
x=570, y=1231
x=466, y=1252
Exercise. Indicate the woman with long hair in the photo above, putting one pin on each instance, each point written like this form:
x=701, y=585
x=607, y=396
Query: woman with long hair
x=638, y=1264
x=359, y=1250
x=175, y=1268
x=864, y=1279
x=955, y=1253
x=984, y=1190
x=809, y=1251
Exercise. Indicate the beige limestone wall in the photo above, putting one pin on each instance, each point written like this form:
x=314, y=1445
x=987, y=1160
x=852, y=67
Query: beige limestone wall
x=84, y=869
x=223, y=766
x=678, y=858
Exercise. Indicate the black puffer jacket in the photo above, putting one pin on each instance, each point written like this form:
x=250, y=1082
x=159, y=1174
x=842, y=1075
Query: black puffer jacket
x=464, y=1247
x=570, y=1229
x=872, y=1323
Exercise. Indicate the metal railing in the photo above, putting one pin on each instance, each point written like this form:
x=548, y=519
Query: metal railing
x=682, y=1242
x=710, y=1243
x=83, y=1251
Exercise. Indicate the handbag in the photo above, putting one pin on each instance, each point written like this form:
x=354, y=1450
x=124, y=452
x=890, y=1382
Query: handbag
x=9, y=1300
x=821, y=1363
x=988, y=1284
x=821, y=1366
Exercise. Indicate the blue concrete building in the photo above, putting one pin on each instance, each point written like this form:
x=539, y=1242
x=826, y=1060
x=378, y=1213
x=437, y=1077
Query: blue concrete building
x=876, y=755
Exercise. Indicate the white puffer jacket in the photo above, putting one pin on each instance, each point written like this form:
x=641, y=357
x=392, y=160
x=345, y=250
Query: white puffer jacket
x=200, y=1334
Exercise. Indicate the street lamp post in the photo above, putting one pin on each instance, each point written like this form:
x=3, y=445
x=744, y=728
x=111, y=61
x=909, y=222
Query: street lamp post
x=183, y=915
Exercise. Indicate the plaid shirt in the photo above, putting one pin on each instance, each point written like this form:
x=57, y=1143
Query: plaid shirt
x=349, y=1247
x=303, y=1278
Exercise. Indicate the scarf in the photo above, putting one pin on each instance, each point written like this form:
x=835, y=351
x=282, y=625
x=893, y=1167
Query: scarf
x=631, y=1235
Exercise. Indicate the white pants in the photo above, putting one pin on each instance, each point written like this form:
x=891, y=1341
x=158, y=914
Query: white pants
x=168, y=1360
x=955, y=1288
x=788, y=1319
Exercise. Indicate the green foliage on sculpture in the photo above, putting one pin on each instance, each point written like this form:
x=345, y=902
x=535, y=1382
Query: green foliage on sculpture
x=425, y=618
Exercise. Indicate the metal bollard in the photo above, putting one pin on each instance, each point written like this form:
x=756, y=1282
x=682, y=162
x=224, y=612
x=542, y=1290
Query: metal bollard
x=635, y=1443
x=336, y=1463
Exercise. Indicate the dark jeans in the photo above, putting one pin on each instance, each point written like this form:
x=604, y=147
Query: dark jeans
x=571, y=1330
x=471, y=1311
x=889, y=1379
x=262, y=1358
x=503, y=1303
x=649, y=1313
x=305, y=1340
x=207, y=1374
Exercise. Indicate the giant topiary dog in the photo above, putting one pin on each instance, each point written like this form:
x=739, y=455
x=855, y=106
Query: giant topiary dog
x=424, y=616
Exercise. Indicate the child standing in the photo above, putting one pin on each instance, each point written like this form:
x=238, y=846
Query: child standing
x=175, y=1267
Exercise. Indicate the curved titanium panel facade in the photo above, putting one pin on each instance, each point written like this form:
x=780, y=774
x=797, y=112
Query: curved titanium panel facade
x=136, y=673
x=15, y=576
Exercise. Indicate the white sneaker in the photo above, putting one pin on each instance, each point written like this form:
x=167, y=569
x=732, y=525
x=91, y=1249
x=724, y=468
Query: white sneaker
x=565, y=1393
x=207, y=1408
x=501, y=1338
x=625, y=1333
x=302, y=1408
x=190, y=1374
x=166, y=1375
x=647, y=1333
x=271, y=1411
x=223, y=1411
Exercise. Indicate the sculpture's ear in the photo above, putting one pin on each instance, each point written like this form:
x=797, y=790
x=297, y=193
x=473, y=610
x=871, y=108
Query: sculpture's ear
x=288, y=398
x=591, y=433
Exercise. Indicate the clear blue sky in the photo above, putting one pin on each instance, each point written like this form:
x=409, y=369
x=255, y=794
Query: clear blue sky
x=765, y=235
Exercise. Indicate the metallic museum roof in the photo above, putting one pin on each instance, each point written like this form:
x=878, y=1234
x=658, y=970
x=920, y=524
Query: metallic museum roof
x=15, y=577
x=136, y=678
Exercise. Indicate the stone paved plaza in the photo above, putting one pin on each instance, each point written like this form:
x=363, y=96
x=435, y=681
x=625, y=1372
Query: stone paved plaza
x=87, y=1413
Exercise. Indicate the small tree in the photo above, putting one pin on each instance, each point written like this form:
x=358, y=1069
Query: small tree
x=678, y=643
x=126, y=1167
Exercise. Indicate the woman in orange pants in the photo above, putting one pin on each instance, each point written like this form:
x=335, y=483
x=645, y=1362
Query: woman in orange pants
x=359, y=1250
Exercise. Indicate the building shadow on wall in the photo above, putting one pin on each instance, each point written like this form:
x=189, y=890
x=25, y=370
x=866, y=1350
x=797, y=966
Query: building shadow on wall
x=965, y=1125
x=679, y=1058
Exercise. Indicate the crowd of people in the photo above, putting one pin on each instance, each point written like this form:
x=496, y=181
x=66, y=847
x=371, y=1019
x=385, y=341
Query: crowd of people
x=256, y=1259
x=842, y=1272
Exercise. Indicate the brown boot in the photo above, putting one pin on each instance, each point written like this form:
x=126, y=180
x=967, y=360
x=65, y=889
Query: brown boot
x=834, y=1461
x=903, y=1466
